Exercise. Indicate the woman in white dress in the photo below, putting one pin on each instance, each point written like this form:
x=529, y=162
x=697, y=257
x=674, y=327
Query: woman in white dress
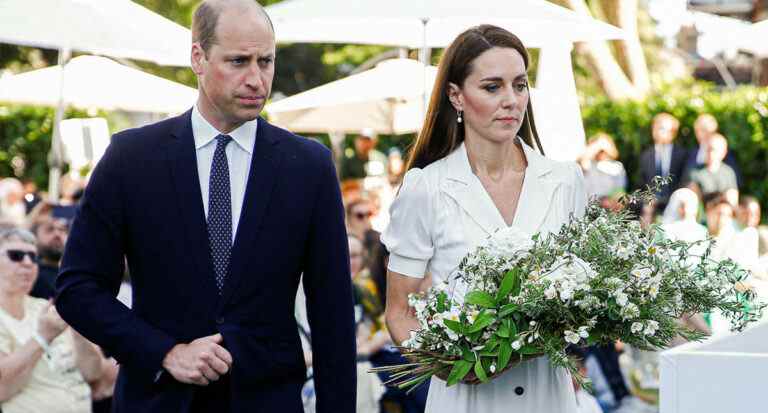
x=473, y=170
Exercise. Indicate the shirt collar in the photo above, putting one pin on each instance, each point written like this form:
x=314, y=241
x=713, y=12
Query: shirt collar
x=204, y=132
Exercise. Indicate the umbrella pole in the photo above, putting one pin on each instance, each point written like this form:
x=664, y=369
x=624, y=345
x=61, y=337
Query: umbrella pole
x=56, y=155
x=425, y=54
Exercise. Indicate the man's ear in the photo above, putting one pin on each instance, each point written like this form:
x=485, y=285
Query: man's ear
x=454, y=95
x=197, y=56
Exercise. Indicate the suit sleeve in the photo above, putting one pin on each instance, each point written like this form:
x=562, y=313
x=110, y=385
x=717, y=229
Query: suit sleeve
x=328, y=288
x=92, y=269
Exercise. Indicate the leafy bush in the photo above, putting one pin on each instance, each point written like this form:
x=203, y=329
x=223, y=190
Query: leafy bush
x=25, y=140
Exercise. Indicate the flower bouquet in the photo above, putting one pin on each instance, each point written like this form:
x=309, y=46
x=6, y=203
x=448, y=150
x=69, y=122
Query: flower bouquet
x=599, y=279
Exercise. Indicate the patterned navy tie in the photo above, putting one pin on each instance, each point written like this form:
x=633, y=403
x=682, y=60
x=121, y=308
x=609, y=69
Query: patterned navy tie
x=220, y=211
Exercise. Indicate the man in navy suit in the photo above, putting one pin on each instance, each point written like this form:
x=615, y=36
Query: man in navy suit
x=217, y=214
x=664, y=158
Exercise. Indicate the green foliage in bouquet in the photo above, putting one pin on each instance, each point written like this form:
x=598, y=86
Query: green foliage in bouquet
x=600, y=278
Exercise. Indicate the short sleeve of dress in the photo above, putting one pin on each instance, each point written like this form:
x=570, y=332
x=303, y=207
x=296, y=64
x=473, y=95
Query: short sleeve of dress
x=408, y=237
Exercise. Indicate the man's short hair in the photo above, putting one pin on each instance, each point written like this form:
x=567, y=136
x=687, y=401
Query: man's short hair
x=666, y=116
x=206, y=18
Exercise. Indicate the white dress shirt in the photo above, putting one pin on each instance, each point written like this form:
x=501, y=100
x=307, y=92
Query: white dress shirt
x=239, y=155
x=664, y=155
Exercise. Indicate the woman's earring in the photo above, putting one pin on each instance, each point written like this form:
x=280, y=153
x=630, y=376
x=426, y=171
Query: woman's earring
x=458, y=119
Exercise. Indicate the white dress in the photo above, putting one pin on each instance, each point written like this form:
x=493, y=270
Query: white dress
x=441, y=213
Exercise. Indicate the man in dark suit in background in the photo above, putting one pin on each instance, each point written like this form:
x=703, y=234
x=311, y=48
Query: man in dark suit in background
x=218, y=214
x=664, y=158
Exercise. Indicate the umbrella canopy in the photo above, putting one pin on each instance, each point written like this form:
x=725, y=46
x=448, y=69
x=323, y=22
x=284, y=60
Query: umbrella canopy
x=118, y=28
x=430, y=23
x=752, y=39
x=97, y=82
x=387, y=99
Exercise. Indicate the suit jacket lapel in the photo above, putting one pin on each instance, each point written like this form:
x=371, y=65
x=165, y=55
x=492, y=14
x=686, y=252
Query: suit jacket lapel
x=182, y=160
x=265, y=168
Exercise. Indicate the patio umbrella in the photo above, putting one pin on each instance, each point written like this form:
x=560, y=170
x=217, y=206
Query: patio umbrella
x=118, y=28
x=97, y=82
x=429, y=23
x=435, y=23
x=386, y=99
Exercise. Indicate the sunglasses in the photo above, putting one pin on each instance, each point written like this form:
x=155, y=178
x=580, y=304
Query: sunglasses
x=363, y=215
x=18, y=255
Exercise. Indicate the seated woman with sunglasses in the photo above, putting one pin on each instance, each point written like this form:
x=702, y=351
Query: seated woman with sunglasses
x=44, y=365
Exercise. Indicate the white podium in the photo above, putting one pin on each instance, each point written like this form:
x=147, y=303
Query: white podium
x=722, y=374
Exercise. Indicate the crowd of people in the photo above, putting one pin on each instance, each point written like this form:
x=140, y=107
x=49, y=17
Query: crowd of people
x=43, y=362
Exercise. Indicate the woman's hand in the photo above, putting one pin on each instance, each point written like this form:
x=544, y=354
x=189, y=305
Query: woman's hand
x=50, y=324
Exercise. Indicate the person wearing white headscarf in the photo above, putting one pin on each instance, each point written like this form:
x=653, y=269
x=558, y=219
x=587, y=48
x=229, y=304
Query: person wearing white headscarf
x=679, y=219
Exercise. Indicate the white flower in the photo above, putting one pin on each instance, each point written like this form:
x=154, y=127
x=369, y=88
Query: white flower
x=651, y=327
x=413, y=342
x=571, y=337
x=516, y=345
x=550, y=292
x=637, y=327
x=532, y=323
x=641, y=272
x=493, y=368
x=583, y=332
x=566, y=293
x=624, y=252
x=622, y=299
x=508, y=242
x=530, y=339
x=630, y=311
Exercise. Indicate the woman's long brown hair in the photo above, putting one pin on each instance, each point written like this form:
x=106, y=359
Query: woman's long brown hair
x=441, y=133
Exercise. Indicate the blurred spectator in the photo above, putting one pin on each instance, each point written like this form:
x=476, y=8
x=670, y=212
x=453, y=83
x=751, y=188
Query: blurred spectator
x=664, y=158
x=395, y=165
x=31, y=195
x=748, y=213
x=364, y=160
x=730, y=242
x=51, y=233
x=12, y=205
x=359, y=213
x=704, y=128
x=371, y=336
x=45, y=365
x=715, y=176
x=604, y=175
x=585, y=402
x=603, y=369
x=679, y=219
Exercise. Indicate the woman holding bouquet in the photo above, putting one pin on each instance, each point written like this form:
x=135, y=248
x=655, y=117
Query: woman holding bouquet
x=476, y=167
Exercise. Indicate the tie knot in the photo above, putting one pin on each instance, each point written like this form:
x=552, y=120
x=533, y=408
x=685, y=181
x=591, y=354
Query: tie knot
x=223, y=140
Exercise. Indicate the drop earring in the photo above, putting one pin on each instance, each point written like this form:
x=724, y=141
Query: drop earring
x=459, y=119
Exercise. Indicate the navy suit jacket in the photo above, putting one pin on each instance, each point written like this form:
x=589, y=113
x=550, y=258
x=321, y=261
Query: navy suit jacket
x=676, y=170
x=143, y=203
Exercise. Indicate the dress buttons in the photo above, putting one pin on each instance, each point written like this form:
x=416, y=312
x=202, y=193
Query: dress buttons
x=519, y=391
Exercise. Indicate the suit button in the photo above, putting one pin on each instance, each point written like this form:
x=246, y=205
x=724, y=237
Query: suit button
x=519, y=391
x=220, y=321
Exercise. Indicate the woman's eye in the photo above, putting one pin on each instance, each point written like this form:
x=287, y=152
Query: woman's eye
x=491, y=87
x=520, y=87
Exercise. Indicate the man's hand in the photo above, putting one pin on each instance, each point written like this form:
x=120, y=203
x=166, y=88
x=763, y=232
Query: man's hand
x=199, y=362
